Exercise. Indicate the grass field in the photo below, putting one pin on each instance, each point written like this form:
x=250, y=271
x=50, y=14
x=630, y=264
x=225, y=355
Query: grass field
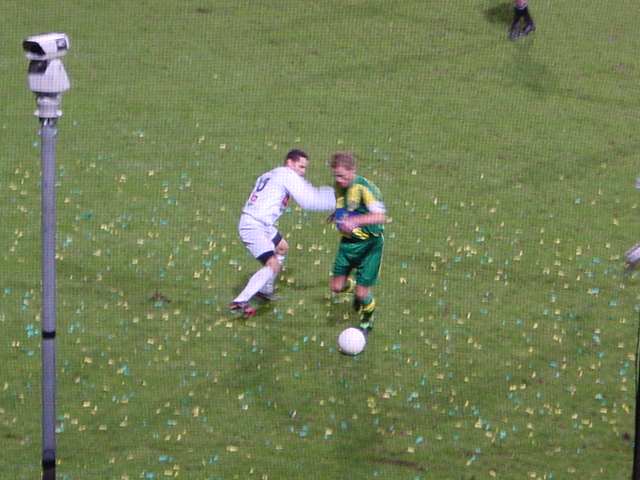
x=505, y=342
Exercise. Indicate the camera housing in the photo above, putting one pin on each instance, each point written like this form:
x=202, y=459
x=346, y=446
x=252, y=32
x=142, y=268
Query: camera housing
x=46, y=46
x=46, y=76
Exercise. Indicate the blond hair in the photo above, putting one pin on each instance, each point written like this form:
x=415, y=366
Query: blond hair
x=343, y=159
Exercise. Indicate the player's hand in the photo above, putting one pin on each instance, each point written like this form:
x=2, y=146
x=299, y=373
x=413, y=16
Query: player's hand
x=347, y=225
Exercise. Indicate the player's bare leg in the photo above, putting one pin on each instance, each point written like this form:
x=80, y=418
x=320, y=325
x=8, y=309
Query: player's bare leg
x=337, y=283
x=341, y=284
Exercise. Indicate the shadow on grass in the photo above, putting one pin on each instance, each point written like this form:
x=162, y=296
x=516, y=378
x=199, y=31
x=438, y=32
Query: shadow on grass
x=528, y=73
x=400, y=463
x=500, y=14
x=524, y=71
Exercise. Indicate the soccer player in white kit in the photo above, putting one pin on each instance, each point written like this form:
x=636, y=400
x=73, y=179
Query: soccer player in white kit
x=267, y=202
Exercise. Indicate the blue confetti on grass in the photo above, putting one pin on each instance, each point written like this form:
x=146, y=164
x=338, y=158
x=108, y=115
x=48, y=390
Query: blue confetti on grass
x=32, y=330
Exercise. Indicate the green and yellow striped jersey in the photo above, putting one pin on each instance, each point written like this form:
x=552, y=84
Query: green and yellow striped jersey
x=359, y=198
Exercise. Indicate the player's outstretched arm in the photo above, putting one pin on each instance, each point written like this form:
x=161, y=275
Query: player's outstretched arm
x=310, y=197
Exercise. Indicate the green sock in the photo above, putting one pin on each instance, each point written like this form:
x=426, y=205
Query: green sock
x=368, y=306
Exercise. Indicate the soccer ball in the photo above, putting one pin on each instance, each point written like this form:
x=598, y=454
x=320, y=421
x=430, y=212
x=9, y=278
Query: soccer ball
x=340, y=215
x=632, y=256
x=351, y=341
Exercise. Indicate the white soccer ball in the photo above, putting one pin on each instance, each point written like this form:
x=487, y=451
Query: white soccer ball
x=351, y=341
x=632, y=256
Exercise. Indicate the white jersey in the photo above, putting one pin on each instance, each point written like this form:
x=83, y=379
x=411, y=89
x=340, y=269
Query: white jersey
x=274, y=189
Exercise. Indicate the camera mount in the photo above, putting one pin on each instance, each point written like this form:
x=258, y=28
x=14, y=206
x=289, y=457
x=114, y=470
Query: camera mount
x=47, y=77
x=48, y=80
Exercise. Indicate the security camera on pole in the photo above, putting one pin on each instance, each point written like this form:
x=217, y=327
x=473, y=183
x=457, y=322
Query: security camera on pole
x=48, y=79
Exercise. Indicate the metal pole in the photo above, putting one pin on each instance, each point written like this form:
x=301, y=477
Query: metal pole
x=48, y=79
x=48, y=134
x=635, y=474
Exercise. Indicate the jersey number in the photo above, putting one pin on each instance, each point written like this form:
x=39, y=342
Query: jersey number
x=262, y=183
x=259, y=187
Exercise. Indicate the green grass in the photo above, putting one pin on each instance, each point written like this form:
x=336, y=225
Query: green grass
x=506, y=333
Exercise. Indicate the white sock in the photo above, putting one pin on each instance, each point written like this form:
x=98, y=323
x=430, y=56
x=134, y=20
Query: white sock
x=257, y=281
x=269, y=287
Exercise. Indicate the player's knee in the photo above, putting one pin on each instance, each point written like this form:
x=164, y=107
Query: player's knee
x=336, y=284
x=282, y=248
x=273, y=264
x=362, y=292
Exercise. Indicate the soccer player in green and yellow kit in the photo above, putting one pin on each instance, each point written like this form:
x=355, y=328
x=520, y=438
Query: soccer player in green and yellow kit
x=360, y=217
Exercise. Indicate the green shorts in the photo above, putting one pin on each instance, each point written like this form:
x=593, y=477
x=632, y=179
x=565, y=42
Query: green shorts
x=363, y=256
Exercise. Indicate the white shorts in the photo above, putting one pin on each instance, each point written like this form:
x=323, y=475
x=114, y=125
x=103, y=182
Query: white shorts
x=259, y=238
